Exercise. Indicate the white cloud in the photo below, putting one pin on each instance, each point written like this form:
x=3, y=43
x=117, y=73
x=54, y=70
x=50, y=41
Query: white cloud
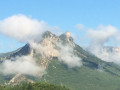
x=102, y=34
x=97, y=46
x=23, y=65
x=67, y=56
x=23, y=28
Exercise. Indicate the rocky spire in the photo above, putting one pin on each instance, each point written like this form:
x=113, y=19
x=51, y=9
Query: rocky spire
x=67, y=39
x=48, y=34
x=68, y=34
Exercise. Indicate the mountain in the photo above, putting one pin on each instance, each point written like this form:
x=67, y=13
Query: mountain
x=93, y=74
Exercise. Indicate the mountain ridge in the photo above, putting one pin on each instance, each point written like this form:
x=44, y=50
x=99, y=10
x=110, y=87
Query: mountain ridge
x=75, y=78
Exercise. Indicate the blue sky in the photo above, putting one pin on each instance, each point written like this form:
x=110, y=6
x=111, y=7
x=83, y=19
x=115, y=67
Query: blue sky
x=62, y=13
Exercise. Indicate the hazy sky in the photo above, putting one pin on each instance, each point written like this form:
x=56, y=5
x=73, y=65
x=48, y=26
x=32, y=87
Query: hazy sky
x=62, y=13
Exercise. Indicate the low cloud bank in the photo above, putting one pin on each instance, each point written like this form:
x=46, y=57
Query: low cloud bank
x=65, y=53
x=67, y=56
x=98, y=43
x=24, y=65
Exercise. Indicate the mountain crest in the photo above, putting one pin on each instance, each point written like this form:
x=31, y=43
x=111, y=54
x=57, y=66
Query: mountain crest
x=67, y=39
x=66, y=36
x=48, y=34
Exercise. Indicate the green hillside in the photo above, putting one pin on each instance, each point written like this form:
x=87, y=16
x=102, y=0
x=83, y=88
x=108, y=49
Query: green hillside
x=86, y=77
x=83, y=78
x=34, y=86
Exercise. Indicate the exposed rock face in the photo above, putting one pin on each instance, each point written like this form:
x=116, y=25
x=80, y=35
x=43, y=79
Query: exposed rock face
x=44, y=50
x=67, y=39
x=49, y=42
x=18, y=78
x=21, y=51
x=68, y=35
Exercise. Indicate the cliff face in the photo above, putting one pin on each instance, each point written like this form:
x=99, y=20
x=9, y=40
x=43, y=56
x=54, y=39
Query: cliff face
x=50, y=44
x=66, y=38
x=19, y=78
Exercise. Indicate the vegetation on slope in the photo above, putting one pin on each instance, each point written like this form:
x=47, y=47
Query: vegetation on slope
x=81, y=78
x=34, y=86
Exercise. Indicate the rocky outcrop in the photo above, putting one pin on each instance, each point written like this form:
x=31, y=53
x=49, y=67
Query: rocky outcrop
x=18, y=78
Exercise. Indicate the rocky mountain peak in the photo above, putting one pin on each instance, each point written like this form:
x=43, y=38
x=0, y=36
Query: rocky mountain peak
x=49, y=41
x=66, y=36
x=48, y=34
x=50, y=38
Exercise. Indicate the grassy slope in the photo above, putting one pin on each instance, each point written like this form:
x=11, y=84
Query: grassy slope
x=33, y=86
x=83, y=78
x=87, y=77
